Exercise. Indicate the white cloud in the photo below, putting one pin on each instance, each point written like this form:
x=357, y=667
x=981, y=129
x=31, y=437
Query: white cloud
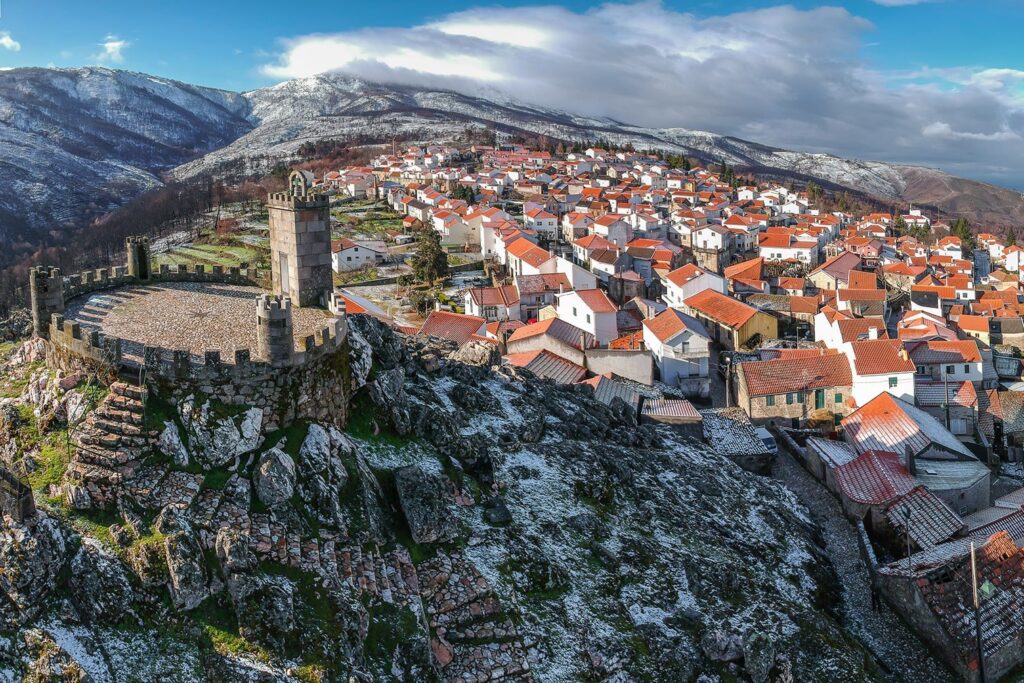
x=900, y=3
x=113, y=50
x=9, y=43
x=780, y=76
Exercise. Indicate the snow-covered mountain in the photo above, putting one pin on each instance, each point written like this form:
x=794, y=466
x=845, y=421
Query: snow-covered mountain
x=77, y=142
x=338, y=106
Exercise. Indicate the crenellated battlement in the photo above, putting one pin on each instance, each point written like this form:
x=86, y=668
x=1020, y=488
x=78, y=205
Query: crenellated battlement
x=92, y=345
x=286, y=200
x=240, y=365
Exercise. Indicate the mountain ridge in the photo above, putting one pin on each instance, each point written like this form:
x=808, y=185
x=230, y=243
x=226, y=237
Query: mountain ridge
x=84, y=141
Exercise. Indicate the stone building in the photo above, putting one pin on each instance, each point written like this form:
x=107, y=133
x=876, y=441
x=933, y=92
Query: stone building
x=300, y=242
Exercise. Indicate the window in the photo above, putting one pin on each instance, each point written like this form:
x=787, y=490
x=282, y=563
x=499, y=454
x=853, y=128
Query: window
x=588, y=317
x=950, y=369
x=922, y=370
x=838, y=399
x=893, y=382
x=348, y=258
x=574, y=311
x=769, y=400
x=967, y=369
x=789, y=399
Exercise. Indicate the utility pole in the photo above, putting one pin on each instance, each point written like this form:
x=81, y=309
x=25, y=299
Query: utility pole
x=977, y=616
x=907, y=514
x=945, y=378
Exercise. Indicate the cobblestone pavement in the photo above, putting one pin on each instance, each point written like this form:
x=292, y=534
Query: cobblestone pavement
x=883, y=633
x=195, y=316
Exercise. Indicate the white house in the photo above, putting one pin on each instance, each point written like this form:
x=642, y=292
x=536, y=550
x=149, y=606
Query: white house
x=712, y=236
x=878, y=366
x=348, y=255
x=613, y=229
x=684, y=282
x=680, y=346
x=544, y=223
x=590, y=310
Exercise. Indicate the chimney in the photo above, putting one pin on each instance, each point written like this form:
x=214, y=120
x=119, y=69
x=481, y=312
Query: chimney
x=872, y=333
x=911, y=462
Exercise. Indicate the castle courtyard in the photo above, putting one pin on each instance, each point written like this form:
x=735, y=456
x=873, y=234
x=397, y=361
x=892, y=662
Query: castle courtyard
x=192, y=316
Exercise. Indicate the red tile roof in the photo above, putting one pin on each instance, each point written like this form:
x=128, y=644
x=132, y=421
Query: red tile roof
x=782, y=376
x=453, y=326
x=887, y=423
x=873, y=478
x=671, y=322
x=596, y=300
x=720, y=308
x=880, y=357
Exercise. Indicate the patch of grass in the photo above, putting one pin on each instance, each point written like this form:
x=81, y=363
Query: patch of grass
x=216, y=479
x=389, y=626
x=53, y=458
x=361, y=418
x=220, y=632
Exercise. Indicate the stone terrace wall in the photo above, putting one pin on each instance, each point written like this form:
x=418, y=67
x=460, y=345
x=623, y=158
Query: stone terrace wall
x=315, y=389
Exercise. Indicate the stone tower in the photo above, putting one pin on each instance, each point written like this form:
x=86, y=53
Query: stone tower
x=274, y=341
x=137, y=249
x=46, y=289
x=300, y=242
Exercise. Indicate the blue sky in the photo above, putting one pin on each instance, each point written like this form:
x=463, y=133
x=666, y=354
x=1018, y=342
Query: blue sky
x=929, y=82
x=223, y=43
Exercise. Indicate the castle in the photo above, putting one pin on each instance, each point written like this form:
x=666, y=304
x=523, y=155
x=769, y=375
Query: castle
x=187, y=328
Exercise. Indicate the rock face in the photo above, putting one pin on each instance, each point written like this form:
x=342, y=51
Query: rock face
x=275, y=478
x=425, y=503
x=475, y=524
x=187, y=570
x=216, y=441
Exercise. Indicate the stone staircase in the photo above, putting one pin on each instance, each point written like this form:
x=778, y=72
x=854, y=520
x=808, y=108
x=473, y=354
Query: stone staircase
x=109, y=446
x=473, y=638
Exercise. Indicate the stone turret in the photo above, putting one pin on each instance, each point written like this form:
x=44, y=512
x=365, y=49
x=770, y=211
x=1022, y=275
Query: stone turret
x=138, y=261
x=46, y=289
x=300, y=242
x=274, y=336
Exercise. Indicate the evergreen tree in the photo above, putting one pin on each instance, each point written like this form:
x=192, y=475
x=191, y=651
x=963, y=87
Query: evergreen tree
x=962, y=229
x=1011, y=237
x=431, y=263
x=899, y=226
x=464, y=193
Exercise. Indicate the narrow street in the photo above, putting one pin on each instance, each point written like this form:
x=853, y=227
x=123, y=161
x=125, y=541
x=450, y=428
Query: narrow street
x=899, y=650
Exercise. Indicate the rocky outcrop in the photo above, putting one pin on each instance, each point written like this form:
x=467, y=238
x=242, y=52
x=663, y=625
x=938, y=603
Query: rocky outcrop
x=425, y=503
x=216, y=440
x=274, y=478
x=476, y=524
x=186, y=568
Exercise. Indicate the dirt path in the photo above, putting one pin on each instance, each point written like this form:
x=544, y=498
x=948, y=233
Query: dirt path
x=883, y=633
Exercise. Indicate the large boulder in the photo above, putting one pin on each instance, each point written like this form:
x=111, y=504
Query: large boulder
x=425, y=501
x=233, y=551
x=99, y=585
x=31, y=562
x=387, y=392
x=216, y=441
x=186, y=570
x=171, y=445
x=274, y=478
x=322, y=473
x=477, y=353
x=265, y=608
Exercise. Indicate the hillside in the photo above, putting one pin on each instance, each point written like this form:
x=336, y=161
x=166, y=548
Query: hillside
x=470, y=523
x=75, y=143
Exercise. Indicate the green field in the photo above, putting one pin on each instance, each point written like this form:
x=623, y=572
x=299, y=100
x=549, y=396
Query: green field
x=214, y=255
